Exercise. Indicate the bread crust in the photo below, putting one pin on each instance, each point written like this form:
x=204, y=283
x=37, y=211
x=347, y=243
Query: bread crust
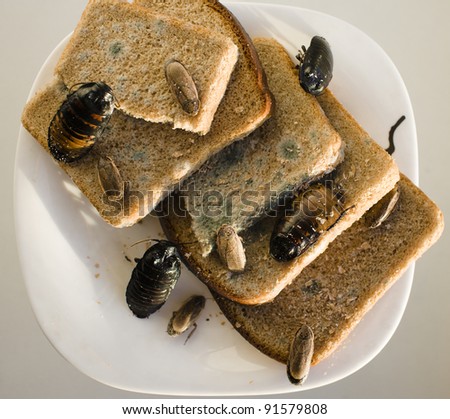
x=250, y=50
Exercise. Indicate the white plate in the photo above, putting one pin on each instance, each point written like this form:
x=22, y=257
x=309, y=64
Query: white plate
x=75, y=268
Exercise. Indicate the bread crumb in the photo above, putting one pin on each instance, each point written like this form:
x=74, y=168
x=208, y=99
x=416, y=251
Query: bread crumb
x=365, y=246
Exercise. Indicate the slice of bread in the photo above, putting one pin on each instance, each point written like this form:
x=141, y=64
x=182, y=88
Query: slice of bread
x=334, y=292
x=366, y=174
x=247, y=102
x=239, y=185
x=154, y=158
x=128, y=47
x=138, y=148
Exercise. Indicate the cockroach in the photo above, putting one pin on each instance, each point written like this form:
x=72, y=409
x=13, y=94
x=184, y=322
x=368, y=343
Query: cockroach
x=153, y=278
x=300, y=355
x=381, y=211
x=186, y=315
x=80, y=121
x=316, y=66
x=310, y=214
x=230, y=249
x=109, y=176
x=183, y=87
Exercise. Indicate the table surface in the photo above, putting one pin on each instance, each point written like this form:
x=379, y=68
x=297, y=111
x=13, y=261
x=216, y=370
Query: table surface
x=414, y=364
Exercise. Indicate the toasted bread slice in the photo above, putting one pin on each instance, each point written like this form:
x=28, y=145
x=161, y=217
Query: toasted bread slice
x=366, y=174
x=298, y=144
x=128, y=47
x=333, y=293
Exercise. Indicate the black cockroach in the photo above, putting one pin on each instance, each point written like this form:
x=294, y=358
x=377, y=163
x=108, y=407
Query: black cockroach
x=316, y=66
x=153, y=278
x=80, y=120
x=310, y=214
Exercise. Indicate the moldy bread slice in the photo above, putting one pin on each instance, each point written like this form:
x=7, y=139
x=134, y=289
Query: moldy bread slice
x=139, y=149
x=298, y=144
x=334, y=292
x=152, y=157
x=366, y=174
x=247, y=102
x=128, y=46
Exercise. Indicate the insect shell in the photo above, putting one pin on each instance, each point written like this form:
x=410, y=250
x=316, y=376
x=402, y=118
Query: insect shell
x=311, y=213
x=183, y=87
x=109, y=176
x=381, y=211
x=231, y=249
x=316, y=66
x=153, y=279
x=185, y=316
x=300, y=355
x=79, y=121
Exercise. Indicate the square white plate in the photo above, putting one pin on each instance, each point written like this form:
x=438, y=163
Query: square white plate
x=76, y=272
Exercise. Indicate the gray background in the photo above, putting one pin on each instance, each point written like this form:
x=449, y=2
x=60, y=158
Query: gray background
x=414, y=364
